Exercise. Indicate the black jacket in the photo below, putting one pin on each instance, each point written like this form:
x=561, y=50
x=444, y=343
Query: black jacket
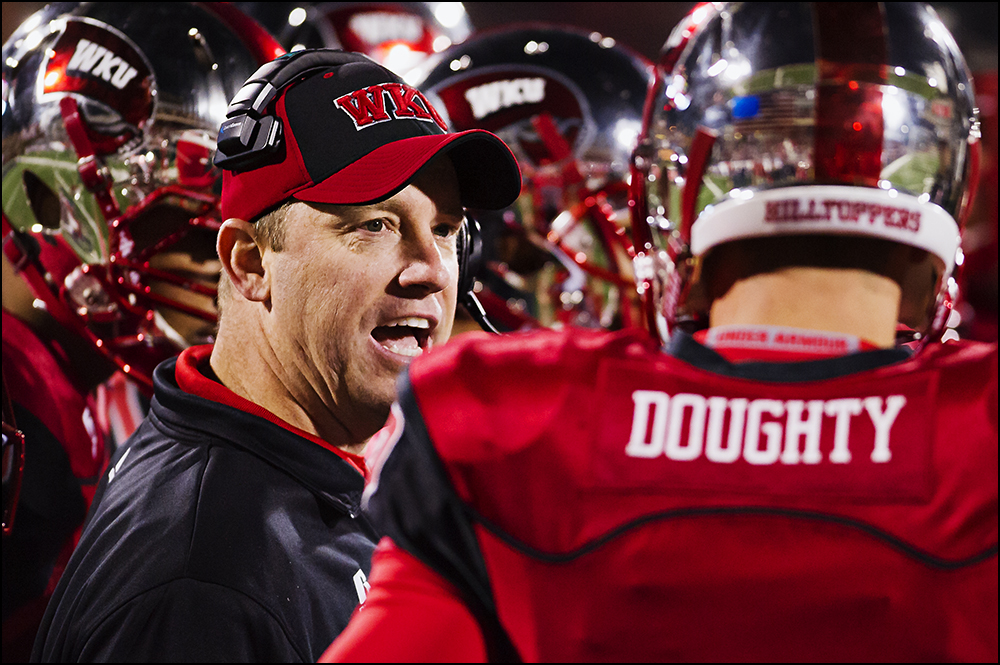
x=216, y=535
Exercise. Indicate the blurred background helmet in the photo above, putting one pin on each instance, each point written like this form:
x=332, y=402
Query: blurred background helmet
x=839, y=120
x=569, y=104
x=110, y=198
x=398, y=35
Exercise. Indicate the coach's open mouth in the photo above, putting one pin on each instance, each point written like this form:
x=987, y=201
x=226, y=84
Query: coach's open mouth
x=409, y=336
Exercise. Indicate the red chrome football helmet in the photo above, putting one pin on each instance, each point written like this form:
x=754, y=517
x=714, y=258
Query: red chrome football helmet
x=569, y=104
x=398, y=35
x=110, y=198
x=793, y=119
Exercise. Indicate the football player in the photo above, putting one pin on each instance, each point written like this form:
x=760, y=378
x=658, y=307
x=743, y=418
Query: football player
x=110, y=200
x=792, y=466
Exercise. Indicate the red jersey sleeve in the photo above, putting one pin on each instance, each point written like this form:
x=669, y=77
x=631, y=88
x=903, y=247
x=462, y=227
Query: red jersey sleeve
x=412, y=614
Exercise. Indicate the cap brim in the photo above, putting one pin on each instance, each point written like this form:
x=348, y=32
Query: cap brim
x=488, y=175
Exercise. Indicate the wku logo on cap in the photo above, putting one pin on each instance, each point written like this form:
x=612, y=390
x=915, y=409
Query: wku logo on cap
x=387, y=101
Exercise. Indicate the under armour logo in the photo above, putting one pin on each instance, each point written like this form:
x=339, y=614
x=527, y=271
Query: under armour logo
x=113, y=471
x=367, y=107
x=362, y=586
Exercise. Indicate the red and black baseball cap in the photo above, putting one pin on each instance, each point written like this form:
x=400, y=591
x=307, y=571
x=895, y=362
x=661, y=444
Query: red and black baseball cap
x=345, y=130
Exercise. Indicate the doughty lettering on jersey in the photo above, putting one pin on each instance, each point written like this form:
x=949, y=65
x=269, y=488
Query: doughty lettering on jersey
x=844, y=437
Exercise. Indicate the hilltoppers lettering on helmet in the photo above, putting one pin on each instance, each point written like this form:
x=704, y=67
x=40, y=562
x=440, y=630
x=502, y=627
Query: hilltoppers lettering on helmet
x=867, y=211
x=795, y=210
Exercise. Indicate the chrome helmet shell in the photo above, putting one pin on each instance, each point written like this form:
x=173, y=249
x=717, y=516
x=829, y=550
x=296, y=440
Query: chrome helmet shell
x=569, y=104
x=398, y=35
x=110, y=113
x=792, y=119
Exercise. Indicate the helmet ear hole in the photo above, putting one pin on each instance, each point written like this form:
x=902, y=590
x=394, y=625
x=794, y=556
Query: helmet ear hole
x=43, y=201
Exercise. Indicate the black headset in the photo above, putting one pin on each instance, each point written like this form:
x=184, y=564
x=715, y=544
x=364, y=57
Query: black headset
x=249, y=138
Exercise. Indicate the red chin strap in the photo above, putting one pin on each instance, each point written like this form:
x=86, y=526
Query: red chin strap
x=94, y=177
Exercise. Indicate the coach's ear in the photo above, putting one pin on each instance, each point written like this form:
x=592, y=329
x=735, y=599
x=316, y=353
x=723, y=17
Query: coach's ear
x=241, y=259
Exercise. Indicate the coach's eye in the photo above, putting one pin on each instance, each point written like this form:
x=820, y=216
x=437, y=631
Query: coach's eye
x=446, y=230
x=374, y=225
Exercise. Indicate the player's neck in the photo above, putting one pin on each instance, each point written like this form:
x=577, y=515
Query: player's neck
x=852, y=302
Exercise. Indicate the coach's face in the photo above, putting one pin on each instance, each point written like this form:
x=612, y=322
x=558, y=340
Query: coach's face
x=359, y=291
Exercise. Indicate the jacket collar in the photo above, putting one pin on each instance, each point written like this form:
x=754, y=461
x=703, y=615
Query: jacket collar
x=187, y=399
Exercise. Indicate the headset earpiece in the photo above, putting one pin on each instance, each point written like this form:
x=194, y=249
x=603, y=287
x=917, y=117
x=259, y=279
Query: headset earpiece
x=470, y=261
x=249, y=136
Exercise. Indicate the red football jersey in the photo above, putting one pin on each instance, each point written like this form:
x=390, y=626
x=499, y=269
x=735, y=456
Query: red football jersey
x=586, y=496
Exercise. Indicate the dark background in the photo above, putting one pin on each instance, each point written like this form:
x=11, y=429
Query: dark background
x=645, y=25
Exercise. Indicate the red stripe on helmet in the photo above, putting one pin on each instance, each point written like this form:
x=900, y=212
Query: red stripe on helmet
x=260, y=42
x=851, y=57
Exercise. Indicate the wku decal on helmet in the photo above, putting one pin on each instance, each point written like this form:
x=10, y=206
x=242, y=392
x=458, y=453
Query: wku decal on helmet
x=505, y=99
x=569, y=104
x=94, y=63
x=110, y=208
x=859, y=122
